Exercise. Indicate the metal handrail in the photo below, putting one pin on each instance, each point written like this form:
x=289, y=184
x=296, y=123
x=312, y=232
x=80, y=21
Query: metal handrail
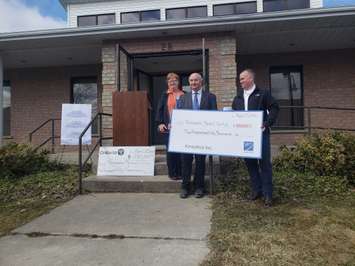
x=51, y=138
x=98, y=143
x=308, y=128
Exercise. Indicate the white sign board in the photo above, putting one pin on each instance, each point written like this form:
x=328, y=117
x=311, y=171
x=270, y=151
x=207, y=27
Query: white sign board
x=236, y=133
x=126, y=161
x=75, y=118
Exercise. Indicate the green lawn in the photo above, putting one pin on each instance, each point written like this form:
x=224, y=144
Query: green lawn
x=313, y=231
x=24, y=199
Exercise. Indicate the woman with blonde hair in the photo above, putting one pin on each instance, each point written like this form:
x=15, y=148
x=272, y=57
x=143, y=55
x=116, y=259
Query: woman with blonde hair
x=168, y=101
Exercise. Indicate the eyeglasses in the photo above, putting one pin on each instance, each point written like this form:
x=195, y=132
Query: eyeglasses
x=173, y=81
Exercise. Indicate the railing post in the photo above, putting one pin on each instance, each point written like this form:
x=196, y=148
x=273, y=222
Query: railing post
x=53, y=135
x=309, y=121
x=211, y=175
x=100, y=129
x=80, y=164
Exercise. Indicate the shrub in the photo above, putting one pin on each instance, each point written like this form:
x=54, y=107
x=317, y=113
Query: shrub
x=289, y=184
x=234, y=176
x=18, y=160
x=330, y=154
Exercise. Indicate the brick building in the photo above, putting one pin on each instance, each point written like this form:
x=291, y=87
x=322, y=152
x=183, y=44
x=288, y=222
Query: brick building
x=302, y=50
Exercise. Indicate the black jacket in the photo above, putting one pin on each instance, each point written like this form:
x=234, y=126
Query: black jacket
x=259, y=100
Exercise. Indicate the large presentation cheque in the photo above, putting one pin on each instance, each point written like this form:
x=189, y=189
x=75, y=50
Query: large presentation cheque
x=236, y=133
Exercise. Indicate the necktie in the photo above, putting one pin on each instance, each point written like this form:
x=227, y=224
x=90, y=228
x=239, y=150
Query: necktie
x=195, y=105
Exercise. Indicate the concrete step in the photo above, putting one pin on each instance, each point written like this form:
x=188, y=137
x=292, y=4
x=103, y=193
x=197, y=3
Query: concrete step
x=160, y=168
x=133, y=184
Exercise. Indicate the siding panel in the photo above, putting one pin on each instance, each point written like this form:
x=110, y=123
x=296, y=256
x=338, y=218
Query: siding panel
x=75, y=10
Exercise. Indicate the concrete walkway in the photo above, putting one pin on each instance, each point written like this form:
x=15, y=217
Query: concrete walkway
x=114, y=229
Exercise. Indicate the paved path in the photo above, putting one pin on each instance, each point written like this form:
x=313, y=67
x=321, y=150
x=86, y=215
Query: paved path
x=114, y=229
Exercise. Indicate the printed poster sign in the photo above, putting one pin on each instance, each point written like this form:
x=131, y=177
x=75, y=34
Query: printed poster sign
x=232, y=133
x=126, y=161
x=75, y=118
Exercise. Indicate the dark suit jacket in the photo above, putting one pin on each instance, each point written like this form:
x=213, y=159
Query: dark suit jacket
x=208, y=101
x=259, y=100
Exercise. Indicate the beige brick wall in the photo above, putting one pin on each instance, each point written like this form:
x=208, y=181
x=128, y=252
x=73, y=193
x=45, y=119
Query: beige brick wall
x=37, y=95
x=328, y=80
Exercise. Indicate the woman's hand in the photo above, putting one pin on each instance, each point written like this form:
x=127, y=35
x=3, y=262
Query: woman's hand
x=162, y=128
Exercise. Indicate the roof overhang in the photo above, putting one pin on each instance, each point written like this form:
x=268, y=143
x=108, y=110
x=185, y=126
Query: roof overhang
x=332, y=28
x=67, y=2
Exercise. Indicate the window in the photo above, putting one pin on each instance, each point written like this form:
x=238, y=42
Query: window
x=233, y=9
x=196, y=12
x=94, y=20
x=140, y=16
x=277, y=5
x=131, y=17
x=84, y=91
x=186, y=12
x=7, y=108
x=153, y=15
x=106, y=19
x=287, y=88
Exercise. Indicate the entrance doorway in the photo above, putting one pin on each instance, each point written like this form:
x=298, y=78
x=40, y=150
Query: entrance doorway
x=150, y=75
x=147, y=72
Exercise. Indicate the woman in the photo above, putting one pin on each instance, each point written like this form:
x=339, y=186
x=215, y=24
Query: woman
x=168, y=101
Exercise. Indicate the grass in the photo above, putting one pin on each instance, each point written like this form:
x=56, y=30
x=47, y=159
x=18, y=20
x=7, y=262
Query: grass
x=311, y=223
x=315, y=231
x=26, y=198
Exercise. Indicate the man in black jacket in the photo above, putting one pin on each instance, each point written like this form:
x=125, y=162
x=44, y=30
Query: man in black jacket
x=253, y=98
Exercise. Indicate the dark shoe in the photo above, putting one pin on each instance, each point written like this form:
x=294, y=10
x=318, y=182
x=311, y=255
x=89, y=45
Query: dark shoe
x=184, y=193
x=255, y=195
x=268, y=202
x=199, y=193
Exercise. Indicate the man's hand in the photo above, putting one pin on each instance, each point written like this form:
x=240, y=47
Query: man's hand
x=162, y=128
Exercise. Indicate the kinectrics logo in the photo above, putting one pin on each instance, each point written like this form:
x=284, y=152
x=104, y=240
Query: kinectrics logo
x=119, y=152
x=248, y=146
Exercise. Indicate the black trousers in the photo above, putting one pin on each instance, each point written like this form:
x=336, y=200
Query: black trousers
x=260, y=171
x=173, y=160
x=199, y=175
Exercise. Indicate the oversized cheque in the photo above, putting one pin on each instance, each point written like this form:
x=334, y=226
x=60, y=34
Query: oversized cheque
x=236, y=133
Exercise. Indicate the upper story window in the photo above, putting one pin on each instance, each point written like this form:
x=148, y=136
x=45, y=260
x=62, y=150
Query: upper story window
x=234, y=8
x=186, y=12
x=93, y=20
x=140, y=16
x=278, y=5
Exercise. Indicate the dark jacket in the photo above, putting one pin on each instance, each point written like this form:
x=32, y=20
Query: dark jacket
x=208, y=101
x=162, y=115
x=259, y=100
